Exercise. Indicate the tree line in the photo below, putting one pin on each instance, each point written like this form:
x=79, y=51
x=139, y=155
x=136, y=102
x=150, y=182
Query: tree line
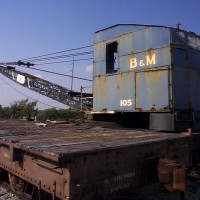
x=28, y=110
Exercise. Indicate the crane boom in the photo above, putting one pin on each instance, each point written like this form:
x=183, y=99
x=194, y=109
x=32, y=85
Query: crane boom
x=76, y=100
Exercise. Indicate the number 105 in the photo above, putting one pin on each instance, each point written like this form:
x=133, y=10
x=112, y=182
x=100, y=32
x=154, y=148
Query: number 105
x=126, y=102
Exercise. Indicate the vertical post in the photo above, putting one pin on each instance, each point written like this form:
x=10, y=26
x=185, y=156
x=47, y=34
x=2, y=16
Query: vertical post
x=54, y=191
x=81, y=98
x=39, y=190
x=72, y=73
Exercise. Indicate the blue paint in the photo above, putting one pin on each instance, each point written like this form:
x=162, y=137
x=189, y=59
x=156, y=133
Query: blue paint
x=159, y=70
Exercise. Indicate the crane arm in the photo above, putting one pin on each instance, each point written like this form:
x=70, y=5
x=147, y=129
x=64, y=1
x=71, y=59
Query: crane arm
x=76, y=100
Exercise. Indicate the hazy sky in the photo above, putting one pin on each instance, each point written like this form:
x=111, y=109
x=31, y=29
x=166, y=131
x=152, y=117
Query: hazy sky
x=35, y=27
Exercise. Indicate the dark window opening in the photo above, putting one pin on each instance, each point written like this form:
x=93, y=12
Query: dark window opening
x=111, y=58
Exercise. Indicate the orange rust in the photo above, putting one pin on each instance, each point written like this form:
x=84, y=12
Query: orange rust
x=152, y=76
x=126, y=40
x=129, y=83
x=97, y=88
x=165, y=51
x=172, y=174
x=120, y=84
x=179, y=178
x=104, y=80
x=104, y=92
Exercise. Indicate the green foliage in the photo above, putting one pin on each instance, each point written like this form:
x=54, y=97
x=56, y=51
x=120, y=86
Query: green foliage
x=53, y=114
x=19, y=109
x=50, y=114
x=24, y=109
x=5, y=113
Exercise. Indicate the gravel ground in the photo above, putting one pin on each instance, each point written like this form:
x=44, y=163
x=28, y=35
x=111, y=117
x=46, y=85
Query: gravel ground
x=156, y=192
x=150, y=192
x=6, y=195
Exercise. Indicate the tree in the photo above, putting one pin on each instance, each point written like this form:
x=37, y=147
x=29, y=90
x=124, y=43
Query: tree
x=5, y=113
x=53, y=114
x=24, y=108
x=50, y=114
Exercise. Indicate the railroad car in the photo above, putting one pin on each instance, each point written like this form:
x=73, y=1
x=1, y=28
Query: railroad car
x=147, y=71
x=143, y=75
x=62, y=162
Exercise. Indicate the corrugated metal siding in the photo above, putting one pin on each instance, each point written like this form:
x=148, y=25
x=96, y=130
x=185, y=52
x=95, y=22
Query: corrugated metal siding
x=148, y=47
x=186, y=70
x=194, y=58
x=142, y=49
x=181, y=88
x=152, y=91
x=109, y=90
x=99, y=59
x=144, y=39
x=136, y=43
x=194, y=77
x=115, y=31
x=153, y=58
x=186, y=83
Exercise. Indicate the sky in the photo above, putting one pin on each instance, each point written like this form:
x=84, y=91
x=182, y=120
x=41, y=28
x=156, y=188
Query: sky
x=30, y=28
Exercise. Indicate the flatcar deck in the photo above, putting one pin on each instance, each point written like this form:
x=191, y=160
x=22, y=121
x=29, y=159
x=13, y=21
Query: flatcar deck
x=83, y=162
x=63, y=140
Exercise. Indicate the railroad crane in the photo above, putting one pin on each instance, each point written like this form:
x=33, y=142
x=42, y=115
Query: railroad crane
x=142, y=74
x=73, y=99
x=139, y=71
x=150, y=72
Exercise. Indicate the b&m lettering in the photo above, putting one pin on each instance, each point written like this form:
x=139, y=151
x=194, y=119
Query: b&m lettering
x=150, y=60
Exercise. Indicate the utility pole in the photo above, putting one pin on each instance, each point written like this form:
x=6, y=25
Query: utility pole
x=81, y=98
x=72, y=74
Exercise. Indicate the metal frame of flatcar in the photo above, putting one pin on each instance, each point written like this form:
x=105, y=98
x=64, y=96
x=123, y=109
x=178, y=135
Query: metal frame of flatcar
x=94, y=174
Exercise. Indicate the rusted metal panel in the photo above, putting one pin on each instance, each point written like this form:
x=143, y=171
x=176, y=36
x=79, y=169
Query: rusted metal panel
x=111, y=91
x=186, y=69
x=99, y=59
x=95, y=163
x=181, y=88
x=194, y=77
x=49, y=177
x=189, y=79
x=120, y=170
x=144, y=39
x=152, y=58
x=139, y=48
x=172, y=174
x=152, y=91
x=115, y=31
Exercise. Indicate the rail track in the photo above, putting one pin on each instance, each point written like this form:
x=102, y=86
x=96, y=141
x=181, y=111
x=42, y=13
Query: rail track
x=153, y=191
x=7, y=194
